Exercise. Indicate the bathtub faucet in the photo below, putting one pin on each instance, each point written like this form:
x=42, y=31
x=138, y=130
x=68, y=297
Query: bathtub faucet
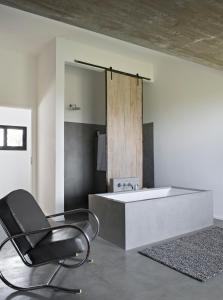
x=129, y=184
x=136, y=187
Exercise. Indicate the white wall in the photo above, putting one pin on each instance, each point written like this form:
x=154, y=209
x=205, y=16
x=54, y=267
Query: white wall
x=47, y=127
x=185, y=102
x=86, y=89
x=15, y=170
x=18, y=89
x=17, y=79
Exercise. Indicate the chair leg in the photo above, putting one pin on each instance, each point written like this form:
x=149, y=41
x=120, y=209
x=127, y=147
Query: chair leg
x=75, y=265
x=42, y=286
x=89, y=260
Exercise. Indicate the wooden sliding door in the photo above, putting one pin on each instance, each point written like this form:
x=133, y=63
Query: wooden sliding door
x=124, y=126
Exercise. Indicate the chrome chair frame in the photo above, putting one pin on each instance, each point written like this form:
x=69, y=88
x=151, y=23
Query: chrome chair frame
x=60, y=263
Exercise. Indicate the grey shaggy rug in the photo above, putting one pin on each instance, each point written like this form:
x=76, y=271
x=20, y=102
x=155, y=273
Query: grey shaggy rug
x=199, y=255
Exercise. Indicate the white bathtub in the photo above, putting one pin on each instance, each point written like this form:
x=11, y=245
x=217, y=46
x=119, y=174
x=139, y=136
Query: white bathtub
x=133, y=219
x=148, y=194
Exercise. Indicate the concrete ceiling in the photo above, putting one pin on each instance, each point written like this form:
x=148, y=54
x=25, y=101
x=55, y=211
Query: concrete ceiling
x=192, y=29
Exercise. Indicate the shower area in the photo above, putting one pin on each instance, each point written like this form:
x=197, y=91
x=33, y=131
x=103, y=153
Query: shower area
x=85, y=139
x=84, y=129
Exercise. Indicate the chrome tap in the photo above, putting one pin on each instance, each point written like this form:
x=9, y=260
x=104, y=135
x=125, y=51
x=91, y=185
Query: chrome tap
x=129, y=184
x=136, y=187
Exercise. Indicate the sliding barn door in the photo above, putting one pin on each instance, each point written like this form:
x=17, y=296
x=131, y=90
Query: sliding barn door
x=124, y=127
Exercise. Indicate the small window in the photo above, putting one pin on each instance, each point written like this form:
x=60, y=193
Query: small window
x=13, y=137
x=1, y=137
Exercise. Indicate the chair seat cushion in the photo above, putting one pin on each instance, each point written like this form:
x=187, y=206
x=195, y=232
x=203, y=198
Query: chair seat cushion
x=27, y=214
x=61, y=243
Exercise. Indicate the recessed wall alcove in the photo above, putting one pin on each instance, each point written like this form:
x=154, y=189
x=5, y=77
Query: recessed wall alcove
x=92, y=102
x=53, y=113
x=85, y=89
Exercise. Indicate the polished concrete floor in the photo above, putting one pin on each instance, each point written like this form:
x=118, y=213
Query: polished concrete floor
x=115, y=274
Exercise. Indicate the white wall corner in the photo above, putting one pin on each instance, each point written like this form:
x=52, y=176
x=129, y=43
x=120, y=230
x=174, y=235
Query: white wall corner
x=46, y=122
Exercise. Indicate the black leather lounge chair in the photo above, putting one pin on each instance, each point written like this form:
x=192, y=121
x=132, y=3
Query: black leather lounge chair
x=39, y=242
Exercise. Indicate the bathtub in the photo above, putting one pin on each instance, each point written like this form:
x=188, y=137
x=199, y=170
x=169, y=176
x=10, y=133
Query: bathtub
x=133, y=219
x=148, y=194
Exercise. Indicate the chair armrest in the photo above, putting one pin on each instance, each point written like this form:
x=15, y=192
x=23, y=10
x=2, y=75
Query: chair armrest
x=77, y=211
x=13, y=237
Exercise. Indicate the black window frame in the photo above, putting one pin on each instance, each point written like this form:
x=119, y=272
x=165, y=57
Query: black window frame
x=24, y=138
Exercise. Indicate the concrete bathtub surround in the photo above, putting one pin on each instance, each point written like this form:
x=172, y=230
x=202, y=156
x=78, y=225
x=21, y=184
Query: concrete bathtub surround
x=133, y=219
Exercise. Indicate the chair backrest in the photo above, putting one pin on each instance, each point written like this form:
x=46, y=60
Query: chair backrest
x=20, y=213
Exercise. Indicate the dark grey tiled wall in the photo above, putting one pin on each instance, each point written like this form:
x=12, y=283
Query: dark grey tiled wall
x=148, y=155
x=81, y=177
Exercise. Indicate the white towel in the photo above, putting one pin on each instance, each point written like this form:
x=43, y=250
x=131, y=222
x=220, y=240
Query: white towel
x=101, y=153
